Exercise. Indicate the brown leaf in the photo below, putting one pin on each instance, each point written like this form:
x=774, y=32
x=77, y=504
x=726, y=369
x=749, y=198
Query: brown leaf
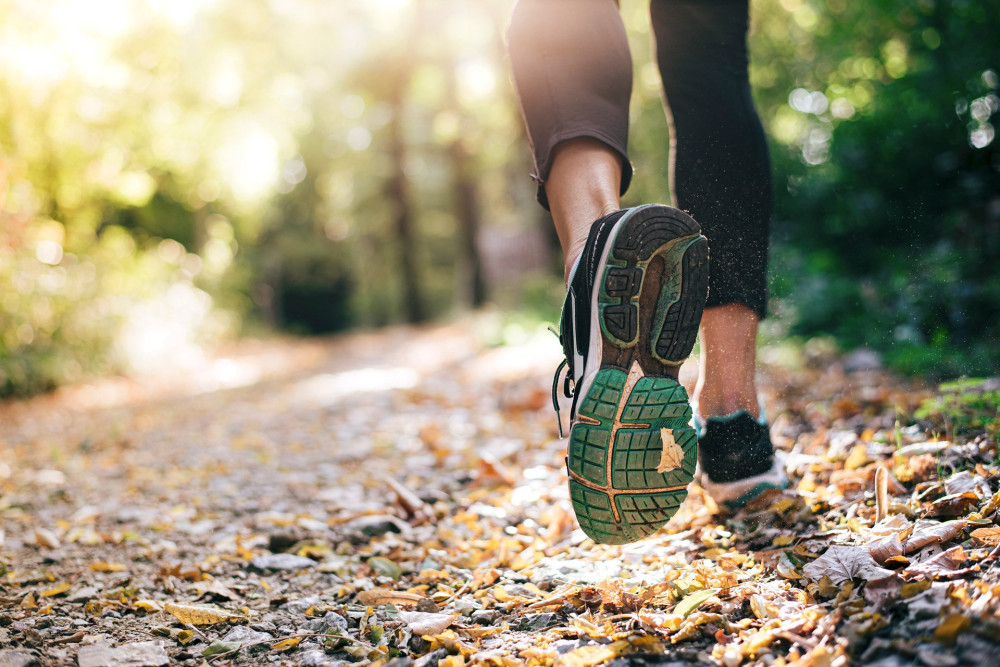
x=885, y=548
x=881, y=493
x=946, y=561
x=989, y=535
x=200, y=614
x=409, y=502
x=672, y=455
x=380, y=596
x=879, y=591
x=844, y=563
x=958, y=504
x=929, y=532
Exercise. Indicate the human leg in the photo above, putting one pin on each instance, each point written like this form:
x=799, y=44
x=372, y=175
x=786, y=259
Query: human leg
x=727, y=365
x=573, y=73
x=634, y=298
x=582, y=186
x=720, y=172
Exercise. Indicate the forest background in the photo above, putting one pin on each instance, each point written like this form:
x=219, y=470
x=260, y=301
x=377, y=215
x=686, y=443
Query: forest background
x=173, y=172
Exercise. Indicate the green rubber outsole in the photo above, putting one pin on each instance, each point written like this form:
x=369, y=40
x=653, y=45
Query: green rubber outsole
x=628, y=427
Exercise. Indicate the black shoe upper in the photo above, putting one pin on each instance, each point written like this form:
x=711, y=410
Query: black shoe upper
x=576, y=318
x=734, y=447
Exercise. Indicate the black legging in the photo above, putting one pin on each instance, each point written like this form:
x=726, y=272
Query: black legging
x=573, y=73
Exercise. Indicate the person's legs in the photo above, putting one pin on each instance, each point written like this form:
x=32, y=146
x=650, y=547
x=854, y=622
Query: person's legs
x=727, y=365
x=582, y=186
x=636, y=278
x=720, y=173
x=573, y=73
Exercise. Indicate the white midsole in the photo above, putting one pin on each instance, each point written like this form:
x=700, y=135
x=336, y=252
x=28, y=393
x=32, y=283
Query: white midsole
x=596, y=345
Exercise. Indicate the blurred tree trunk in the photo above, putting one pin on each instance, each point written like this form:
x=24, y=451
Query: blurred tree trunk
x=471, y=284
x=397, y=190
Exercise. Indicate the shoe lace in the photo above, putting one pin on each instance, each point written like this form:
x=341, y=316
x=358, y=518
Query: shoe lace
x=569, y=384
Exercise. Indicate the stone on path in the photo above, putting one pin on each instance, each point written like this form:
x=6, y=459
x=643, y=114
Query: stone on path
x=318, y=658
x=10, y=658
x=282, y=562
x=244, y=635
x=141, y=654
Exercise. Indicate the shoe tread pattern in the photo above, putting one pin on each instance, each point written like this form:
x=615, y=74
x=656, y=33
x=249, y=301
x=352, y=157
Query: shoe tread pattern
x=636, y=500
x=647, y=232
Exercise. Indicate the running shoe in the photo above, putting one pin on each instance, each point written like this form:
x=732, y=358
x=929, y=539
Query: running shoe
x=737, y=461
x=629, y=321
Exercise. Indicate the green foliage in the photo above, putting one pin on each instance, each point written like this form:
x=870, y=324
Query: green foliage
x=887, y=227
x=963, y=407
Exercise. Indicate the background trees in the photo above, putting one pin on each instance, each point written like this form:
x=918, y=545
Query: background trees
x=170, y=170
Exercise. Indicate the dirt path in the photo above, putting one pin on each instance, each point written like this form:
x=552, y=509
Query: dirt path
x=401, y=495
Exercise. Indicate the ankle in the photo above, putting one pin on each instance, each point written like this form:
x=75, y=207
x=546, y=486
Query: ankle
x=711, y=404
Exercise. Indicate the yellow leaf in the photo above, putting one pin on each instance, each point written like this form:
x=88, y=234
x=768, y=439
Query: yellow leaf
x=184, y=636
x=101, y=566
x=783, y=540
x=200, y=614
x=782, y=506
x=672, y=455
x=55, y=590
x=149, y=606
x=452, y=661
x=286, y=644
x=587, y=656
x=47, y=609
x=857, y=458
x=913, y=588
x=951, y=627
x=29, y=601
x=988, y=535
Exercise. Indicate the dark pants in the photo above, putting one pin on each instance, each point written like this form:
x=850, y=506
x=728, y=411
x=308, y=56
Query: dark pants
x=573, y=73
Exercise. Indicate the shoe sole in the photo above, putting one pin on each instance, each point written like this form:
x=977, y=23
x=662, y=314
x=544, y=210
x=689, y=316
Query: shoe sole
x=632, y=451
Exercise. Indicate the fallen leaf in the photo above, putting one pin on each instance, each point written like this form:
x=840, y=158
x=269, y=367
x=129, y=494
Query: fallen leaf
x=29, y=601
x=219, y=647
x=426, y=623
x=693, y=601
x=672, y=455
x=55, y=590
x=989, y=535
x=46, y=538
x=951, y=627
x=964, y=481
x=844, y=563
x=385, y=567
x=101, y=566
x=958, y=504
x=879, y=591
x=946, y=561
x=200, y=614
x=881, y=493
x=381, y=596
x=411, y=504
x=929, y=532
x=587, y=656
x=286, y=644
x=885, y=548
x=918, y=448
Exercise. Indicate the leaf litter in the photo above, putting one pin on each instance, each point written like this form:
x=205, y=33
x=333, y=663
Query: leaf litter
x=292, y=522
